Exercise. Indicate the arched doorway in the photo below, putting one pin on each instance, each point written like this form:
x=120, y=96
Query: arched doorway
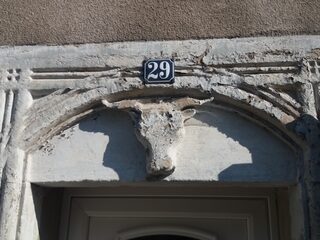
x=235, y=150
x=166, y=233
x=164, y=237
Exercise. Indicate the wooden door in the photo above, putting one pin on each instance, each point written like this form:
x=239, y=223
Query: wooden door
x=141, y=217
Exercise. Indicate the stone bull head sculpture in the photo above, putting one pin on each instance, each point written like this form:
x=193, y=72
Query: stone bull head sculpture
x=159, y=127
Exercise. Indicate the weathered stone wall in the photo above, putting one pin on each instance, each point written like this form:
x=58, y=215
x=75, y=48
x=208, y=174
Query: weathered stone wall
x=82, y=21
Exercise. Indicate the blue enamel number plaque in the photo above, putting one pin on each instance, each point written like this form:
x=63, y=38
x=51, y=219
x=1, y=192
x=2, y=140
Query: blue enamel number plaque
x=159, y=71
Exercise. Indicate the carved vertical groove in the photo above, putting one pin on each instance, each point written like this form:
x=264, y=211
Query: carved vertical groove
x=3, y=102
x=2, y=110
x=6, y=108
x=6, y=124
x=13, y=159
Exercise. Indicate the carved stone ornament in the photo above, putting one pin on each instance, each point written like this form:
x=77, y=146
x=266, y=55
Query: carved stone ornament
x=44, y=90
x=159, y=127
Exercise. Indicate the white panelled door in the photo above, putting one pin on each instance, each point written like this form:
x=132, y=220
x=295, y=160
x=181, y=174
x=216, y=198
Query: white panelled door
x=169, y=217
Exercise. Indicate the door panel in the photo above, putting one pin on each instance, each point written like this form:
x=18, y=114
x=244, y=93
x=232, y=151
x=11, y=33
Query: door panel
x=226, y=218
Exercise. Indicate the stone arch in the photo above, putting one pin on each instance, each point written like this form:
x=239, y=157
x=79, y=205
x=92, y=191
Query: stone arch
x=44, y=121
x=58, y=110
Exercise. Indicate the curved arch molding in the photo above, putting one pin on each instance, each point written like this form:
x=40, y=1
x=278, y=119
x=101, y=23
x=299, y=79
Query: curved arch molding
x=46, y=89
x=165, y=230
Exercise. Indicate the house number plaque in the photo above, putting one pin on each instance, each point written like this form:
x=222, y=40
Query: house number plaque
x=159, y=71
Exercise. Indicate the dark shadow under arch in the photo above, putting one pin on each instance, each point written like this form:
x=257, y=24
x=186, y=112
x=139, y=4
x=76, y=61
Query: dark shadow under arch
x=164, y=237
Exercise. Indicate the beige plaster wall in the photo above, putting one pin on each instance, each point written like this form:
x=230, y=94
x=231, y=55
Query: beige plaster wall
x=79, y=21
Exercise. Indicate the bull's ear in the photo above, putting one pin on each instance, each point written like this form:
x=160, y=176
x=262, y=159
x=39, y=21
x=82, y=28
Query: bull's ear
x=188, y=113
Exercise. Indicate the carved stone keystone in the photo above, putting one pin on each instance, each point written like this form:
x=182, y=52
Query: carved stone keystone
x=159, y=127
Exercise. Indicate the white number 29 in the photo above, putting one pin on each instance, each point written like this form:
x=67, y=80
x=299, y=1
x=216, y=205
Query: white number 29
x=164, y=66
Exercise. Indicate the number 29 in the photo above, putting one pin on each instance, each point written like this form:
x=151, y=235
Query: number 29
x=160, y=71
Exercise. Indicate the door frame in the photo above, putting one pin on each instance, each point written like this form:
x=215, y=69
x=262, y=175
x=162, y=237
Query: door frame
x=279, y=227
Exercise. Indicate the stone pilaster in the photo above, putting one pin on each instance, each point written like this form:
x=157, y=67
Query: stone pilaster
x=12, y=156
x=308, y=128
